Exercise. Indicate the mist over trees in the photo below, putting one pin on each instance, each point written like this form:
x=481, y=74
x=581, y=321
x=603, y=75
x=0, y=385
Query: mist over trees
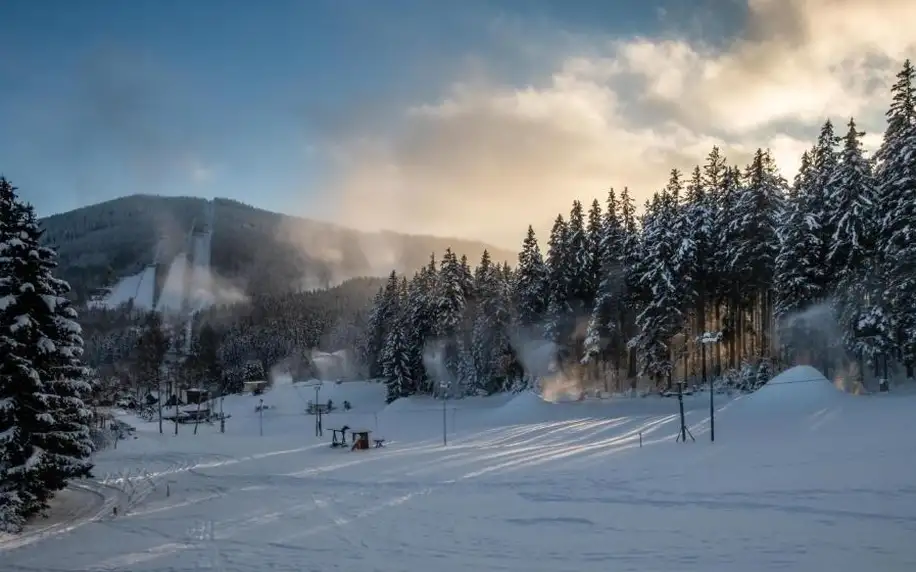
x=726, y=267
x=252, y=250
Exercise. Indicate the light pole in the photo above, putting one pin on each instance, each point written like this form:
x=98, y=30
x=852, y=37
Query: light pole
x=261, y=417
x=709, y=338
x=444, y=385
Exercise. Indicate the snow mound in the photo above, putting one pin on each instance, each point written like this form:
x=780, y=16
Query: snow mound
x=799, y=387
x=526, y=402
x=797, y=398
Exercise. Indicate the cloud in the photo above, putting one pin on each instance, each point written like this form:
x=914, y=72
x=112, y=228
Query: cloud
x=487, y=158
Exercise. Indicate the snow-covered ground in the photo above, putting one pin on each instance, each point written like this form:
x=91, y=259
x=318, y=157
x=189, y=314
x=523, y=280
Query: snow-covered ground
x=138, y=287
x=800, y=477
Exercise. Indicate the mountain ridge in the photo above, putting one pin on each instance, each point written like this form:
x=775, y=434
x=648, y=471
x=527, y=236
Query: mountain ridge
x=253, y=250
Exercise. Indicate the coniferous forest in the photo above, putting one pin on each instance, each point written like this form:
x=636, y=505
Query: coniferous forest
x=727, y=270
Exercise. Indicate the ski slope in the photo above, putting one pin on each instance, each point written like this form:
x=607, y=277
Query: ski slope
x=521, y=485
x=138, y=288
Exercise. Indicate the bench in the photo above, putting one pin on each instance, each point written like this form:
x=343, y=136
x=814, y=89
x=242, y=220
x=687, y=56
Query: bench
x=379, y=443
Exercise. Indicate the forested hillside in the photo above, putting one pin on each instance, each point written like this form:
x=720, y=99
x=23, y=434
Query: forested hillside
x=727, y=268
x=258, y=251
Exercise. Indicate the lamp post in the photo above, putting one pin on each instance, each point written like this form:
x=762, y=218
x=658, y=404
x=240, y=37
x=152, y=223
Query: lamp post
x=707, y=339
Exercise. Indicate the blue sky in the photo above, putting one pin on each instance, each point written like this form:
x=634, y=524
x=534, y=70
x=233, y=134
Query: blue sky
x=232, y=97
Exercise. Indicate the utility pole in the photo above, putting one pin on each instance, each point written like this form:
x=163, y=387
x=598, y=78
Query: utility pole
x=318, y=431
x=712, y=412
x=261, y=417
x=444, y=385
x=159, y=394
x=222, y=418
x=174, y=384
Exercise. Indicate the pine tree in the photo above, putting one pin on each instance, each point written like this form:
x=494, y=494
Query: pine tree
x=851, y=200
x=662, y=317
x=396, y=364
x=595, y=233
x=798, y=271
x=15, y=368
x=753, y=253
x=896, y=175
x=604, y=335
x=44, y=433
x=421, y=325
x=531, y=283
x=578, y=263
x=558, y=294
x=380, y=320
x=68, y=445
x=825, y=160
x=454, y=283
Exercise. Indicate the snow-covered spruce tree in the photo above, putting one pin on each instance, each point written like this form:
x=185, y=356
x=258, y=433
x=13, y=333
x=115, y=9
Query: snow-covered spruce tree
x=728, y=293
x=595, y=233
x=684, y=230
x=799, y=271
x=421, y=312
x=866, y=329
x=825, y=160
x=605, y=339
x=753, y=253
x=558, y=289
x=531, y=285
x=14, y=364
x=396, y=363
x=716, y=184
x=896, y=176
x=68, y=446
x=578, y=264
x=634, y=297
x=380, y=319
x=492, y=353
x=450, y=309
x=662, y=317
x=43, y=379
x=699, y=216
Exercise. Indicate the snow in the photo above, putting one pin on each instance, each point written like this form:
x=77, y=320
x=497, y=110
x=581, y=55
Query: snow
x=171, y=299
x=201, y=291
x=523, y=484
x=139, y=287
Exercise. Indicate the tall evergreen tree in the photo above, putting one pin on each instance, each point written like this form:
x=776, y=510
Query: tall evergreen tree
x=559, y=294
x=454, y=283
x=896, y=174
x=798, y=270
x=44, y=436
x=531, y=283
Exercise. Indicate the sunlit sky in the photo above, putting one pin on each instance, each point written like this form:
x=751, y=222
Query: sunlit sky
x=469, y=118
